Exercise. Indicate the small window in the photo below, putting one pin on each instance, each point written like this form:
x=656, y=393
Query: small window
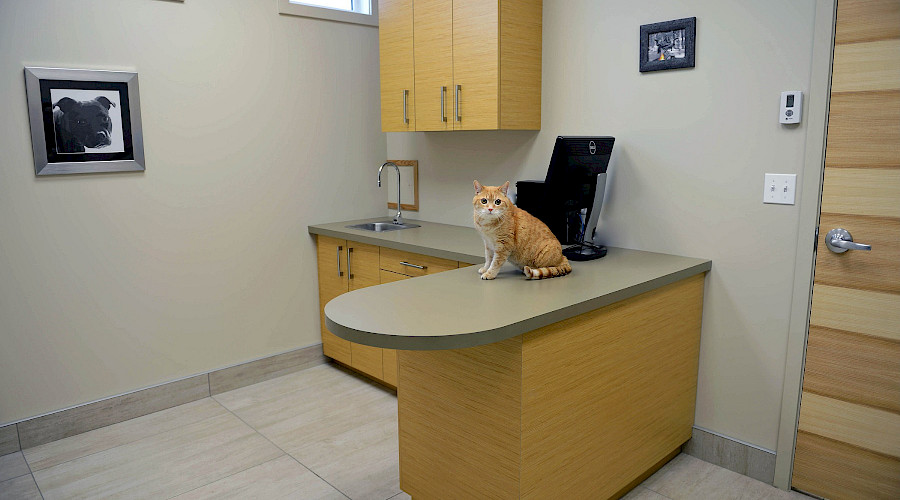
x=347, y=11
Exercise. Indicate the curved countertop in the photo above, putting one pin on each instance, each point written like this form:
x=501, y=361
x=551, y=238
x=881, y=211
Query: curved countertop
x=456, y=309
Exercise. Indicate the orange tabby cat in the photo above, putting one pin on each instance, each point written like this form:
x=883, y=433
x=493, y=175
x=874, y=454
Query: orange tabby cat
x=512, y=233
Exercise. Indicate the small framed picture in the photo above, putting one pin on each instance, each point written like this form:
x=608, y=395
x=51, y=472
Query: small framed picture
x=668, y=45
x=84, y=121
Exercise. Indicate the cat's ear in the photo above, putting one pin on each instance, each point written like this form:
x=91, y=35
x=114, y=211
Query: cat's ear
x=504, y=188
x=478, y=187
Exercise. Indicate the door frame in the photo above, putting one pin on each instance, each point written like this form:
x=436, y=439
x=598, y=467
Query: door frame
x=810, y=196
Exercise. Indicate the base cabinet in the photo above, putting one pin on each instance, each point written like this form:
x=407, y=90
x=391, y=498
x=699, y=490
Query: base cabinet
x=333, y=280
x=344, y=266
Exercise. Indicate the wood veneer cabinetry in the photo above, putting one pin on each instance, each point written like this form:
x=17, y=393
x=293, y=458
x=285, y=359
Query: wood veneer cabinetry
x=587, y=407
x=398, y=91
x=344, y=266
x=331, y=260
x=460, y=65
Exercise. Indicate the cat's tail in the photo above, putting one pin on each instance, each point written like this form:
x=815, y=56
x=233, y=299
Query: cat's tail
x=539, y=273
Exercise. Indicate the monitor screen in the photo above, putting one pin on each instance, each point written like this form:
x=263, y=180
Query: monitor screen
x=572, y=181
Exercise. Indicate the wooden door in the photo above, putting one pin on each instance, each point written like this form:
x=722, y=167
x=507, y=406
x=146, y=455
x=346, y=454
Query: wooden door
x=848, y=439
x=433, y=54
x=476, y=65
x=395, y=43
x=333, y=281
x=363, y=271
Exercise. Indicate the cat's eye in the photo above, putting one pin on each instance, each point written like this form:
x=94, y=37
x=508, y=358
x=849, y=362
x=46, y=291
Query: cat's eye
x=484, y=201
x=497, y=202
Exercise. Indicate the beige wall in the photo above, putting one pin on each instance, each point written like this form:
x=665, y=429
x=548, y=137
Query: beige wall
x=255, y=125
x=686, y=178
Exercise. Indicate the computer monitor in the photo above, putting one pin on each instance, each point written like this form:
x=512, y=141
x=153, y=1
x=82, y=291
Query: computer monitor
x=576, y=180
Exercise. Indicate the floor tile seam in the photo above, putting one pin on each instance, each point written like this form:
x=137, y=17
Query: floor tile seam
x=31, y=472
x=15, y=477
x=32, y=480
x=660, y=494
x=284, y=451
x=228, y=475
x=649, y=489
x=124, y=444
x=295, y=392
x=194, y=453
x=20, y=475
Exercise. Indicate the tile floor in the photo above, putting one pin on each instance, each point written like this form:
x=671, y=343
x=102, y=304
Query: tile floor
x=322, y=433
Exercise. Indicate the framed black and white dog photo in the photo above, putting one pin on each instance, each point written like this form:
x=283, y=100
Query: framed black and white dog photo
x=84, y=121
x=668, y=45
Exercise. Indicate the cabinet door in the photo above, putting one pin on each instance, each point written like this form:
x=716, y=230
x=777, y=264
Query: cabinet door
x=363, y=271
x=476, y=65
x=520, y=64
x=433, y=53
x=333, y=281
x=395, y=38
x=362, y=265
x=389, y=356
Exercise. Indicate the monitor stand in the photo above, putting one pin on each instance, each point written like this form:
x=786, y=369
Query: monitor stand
x=588, y=251
x=584, y=251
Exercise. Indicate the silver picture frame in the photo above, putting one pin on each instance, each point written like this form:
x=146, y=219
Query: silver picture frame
x=57, y=138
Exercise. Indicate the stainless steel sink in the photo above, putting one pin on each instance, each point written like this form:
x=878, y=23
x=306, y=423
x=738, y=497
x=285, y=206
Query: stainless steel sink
x=382, y=226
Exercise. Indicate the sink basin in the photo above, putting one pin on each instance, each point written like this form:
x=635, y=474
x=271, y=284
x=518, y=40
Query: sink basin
x=382, y=226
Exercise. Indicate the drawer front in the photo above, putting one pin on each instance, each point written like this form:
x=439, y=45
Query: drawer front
x=389, y=277
x=413, y=264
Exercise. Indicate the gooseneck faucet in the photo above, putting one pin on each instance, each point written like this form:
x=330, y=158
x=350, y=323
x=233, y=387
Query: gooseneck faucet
x=399, y=218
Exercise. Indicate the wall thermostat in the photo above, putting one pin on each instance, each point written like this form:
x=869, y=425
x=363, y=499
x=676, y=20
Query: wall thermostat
x=791, y=106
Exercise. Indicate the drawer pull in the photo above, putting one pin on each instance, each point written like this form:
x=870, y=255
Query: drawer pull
x=339, y=248
x=405, y=115
x=350, y=262
x=404, y=263
x=458, y=89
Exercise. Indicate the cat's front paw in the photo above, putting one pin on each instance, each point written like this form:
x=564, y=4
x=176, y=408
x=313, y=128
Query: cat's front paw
x=481, y=270
x=489, y=275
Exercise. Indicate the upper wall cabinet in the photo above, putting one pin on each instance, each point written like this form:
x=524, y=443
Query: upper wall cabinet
x=460, y=65
x=395, y=41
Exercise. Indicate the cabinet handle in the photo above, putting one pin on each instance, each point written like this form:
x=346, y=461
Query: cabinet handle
x=339, y=248
x=405, y=97
x=443, y=114
x=404, y=263
x=350, y=262
x=458, y=89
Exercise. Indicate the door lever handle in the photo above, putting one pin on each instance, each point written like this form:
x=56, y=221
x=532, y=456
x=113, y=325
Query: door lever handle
x=839, y=241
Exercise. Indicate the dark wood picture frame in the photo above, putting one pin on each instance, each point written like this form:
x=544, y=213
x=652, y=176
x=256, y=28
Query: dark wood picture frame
x=680, y=36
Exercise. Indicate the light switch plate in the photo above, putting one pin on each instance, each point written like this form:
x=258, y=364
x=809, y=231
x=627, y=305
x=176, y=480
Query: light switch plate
x=780, y=189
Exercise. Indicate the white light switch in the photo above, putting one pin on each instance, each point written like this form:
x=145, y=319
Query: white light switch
x=780, y=188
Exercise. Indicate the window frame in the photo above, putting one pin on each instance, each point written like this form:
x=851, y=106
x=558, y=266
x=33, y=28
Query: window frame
x=343, y=16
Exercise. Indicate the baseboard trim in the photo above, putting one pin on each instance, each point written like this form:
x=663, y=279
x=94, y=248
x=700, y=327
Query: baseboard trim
x=732, y=454
x=86, y=417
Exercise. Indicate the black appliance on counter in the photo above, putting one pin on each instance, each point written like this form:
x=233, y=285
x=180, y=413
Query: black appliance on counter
x=570, y=198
